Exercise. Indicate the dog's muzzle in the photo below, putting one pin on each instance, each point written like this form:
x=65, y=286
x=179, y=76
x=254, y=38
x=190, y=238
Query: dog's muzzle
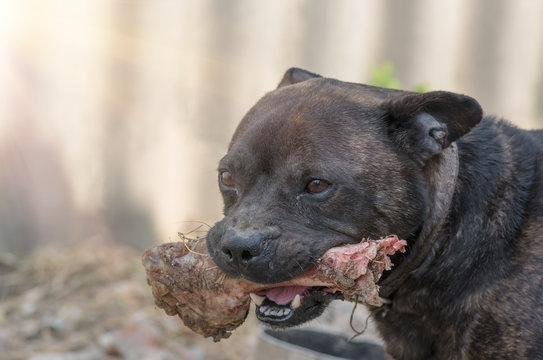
x=242, y=252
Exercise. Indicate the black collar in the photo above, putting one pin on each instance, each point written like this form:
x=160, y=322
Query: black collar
x=441, y=179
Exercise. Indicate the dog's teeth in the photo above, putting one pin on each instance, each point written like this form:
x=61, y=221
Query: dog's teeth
x=287, y=311
x=296, y=302
x=257, y=299
x=265, y=310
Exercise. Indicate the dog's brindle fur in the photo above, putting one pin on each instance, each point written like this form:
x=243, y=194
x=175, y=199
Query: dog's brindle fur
x=477, y=293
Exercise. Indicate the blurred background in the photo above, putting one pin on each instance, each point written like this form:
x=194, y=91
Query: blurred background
x=114, y=114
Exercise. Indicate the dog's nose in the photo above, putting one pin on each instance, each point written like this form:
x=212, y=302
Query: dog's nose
x=241, y=248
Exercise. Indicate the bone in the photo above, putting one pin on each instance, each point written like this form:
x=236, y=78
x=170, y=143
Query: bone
x=185, y=282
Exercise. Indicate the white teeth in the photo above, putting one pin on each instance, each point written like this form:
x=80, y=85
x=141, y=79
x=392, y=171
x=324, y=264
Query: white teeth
x=257, y=299
x=296, y=302
x=287, y=311
x=273, y=311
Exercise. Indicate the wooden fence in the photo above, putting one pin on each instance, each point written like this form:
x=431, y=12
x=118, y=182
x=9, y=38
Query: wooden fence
x=113, y=114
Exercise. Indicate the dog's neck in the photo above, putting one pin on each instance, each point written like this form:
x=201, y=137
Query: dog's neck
x=441, y=180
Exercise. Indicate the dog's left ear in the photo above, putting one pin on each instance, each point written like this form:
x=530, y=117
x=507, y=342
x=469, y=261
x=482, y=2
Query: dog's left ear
x=423, y=124
x=296, y=75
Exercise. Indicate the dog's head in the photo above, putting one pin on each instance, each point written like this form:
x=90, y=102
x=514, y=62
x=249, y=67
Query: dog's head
x=319, y=163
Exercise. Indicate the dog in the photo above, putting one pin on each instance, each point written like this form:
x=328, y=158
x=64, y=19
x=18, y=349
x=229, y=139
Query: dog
x=319, y=163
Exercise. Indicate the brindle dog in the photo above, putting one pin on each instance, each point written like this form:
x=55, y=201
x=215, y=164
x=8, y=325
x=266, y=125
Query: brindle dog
x=319, y=163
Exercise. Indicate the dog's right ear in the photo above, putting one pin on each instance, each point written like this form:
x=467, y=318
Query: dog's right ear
x=296, y=75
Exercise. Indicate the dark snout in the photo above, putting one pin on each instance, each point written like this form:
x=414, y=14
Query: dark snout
x=242, y=253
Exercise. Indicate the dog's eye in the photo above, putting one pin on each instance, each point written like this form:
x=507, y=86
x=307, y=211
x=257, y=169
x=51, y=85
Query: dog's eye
x=227, y=179
x=317, y=186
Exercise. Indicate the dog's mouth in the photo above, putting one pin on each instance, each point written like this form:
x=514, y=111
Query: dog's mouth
x=292, y=305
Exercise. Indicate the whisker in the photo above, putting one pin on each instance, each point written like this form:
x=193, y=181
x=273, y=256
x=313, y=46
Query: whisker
x=195, y=221
x=301, y=268
x=192, y=251
x=194, y=230
x=185, y=239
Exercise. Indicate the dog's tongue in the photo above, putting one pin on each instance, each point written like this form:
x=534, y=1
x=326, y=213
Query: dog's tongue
x=284, y=295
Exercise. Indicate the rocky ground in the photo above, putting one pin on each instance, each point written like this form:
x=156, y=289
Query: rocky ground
x=91, y=301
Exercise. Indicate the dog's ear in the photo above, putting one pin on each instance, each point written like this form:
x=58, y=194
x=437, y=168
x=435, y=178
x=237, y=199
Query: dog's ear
x=295, y=75
x=423, y=124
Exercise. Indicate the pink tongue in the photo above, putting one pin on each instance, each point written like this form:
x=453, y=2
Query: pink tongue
x=284, y=295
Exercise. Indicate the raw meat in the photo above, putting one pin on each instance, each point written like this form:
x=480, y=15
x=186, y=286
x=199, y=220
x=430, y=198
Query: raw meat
x=185, y=281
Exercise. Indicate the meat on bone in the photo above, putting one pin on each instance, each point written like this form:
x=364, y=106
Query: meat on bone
x=186, y=282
